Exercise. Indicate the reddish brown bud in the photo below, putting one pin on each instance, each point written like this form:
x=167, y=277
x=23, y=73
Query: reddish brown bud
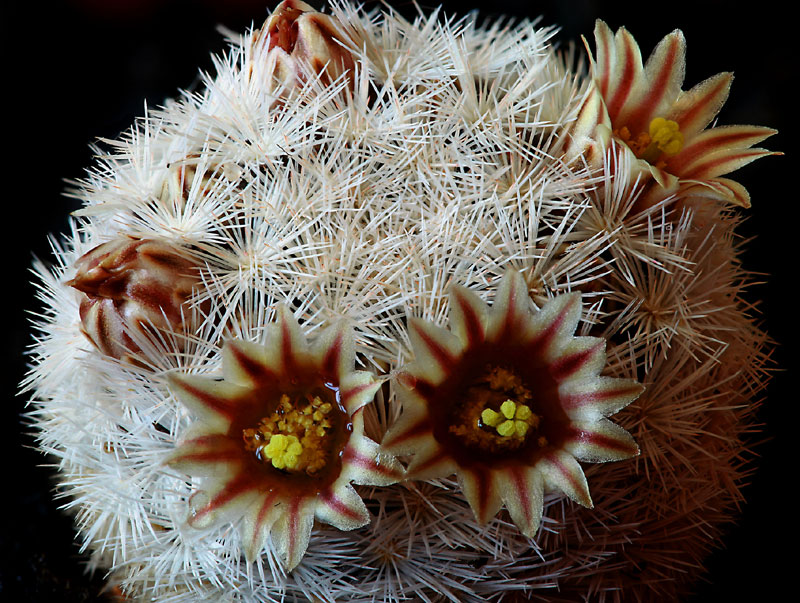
x=132, y=287
x=298, y=35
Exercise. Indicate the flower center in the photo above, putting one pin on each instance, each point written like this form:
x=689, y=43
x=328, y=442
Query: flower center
x=294, y=437
x=496, y=413
x=663, y=136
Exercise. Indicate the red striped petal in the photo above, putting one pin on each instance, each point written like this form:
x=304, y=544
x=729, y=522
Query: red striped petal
x=600, y=442
x=604, y=44
x=212, y=400
x=626, y=71
x=582, y=356
x=247, y=363
x=436, y=350
x=468, y=316
x=431, y=461
x=660, y=84
x=599, y=397
x=357, y=389
x=696, y=108
x=257, y=524
x=202, y=456
x=366, y=463
x=510, y=314
x=724, y=138
x=292, y=530
x=724, y=162
x=342, y=508
x=334, y=350
x=481, y=491
x=555, y=324
x=722, y=189
x=522, y=491
x=227, y=500
x=562, y=472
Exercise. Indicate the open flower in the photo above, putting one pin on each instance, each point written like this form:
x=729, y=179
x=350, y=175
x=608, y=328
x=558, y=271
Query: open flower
x=510, y=400
x=282, y=437
x=664, y=126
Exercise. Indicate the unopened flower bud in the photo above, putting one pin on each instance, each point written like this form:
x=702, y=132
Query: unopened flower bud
x=299, y=37
x=132, y=288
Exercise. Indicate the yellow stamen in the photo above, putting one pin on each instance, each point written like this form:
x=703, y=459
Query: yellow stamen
x=294, y=436
x=663, y=137
x=508, y=408
x=666, y=135
x=283, y=451
x=512, y=420
x=506, y=428
x=491, y=418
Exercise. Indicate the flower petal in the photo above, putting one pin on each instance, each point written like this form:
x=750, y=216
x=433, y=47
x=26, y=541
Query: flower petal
x=342, y=508
x=626, y=71
x=292, y=530
x=600, y=441
x=562, y=472
x=722, y=189
x=481, y=490
x=220, y=500
x=435, y=350
x=248, y=364
x=582, y=357
x=584, y=129
x=257, y=523
x=357, y=389
x=285, y=339
x=509, y=317
x=334, y=350
x=555, y=324
x=598, y=397
x=694, y=109
x=412, y=428
x=431, y=461
x=202, y=455
x=367, y=463
x=660, y=85
x=469, y=316
x=602, y=65
x=725, y=161
x=211, y=400
x=690, y=162
x=522, y=491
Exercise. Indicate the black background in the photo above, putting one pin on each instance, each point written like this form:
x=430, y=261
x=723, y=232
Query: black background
x=77, y=70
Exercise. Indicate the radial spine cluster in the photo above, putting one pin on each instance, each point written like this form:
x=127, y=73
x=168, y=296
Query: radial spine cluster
x=407, y=310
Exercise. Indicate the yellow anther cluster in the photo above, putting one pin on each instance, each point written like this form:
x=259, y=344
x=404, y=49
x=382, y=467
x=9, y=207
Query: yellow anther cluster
x=496, y=413
x=292, y=437
x=666, y=135
x=283, y=451
x=663, y=136
x=513, y=420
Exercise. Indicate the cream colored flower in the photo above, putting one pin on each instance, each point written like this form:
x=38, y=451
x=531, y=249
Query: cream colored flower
x=666, y=127
x=282, y=438
x=510, y=400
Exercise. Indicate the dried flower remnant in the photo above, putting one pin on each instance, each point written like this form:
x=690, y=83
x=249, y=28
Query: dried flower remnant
x=665, y=127
x=299, y=38
x=510, y=400
x=133, y=288
x=282, y=437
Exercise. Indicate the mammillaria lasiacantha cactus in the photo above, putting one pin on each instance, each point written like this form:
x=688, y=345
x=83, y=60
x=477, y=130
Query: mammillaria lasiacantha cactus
x=370, y=245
